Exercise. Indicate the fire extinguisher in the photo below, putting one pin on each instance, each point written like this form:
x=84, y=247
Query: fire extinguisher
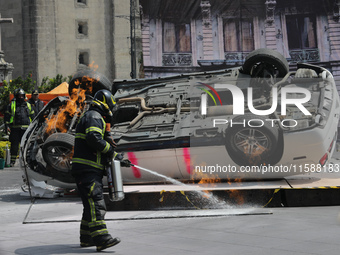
x=8, y=156
x=114, y=180
x=114, y=174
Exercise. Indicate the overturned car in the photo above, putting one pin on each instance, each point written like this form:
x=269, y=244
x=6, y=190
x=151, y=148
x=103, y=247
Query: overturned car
x=258, y=121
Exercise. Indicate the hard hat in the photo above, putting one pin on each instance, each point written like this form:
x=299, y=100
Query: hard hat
x=104, y=100
x=19, y=92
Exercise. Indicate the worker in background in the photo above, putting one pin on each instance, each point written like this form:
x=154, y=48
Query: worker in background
x=92, y=152
x=18, y=116
x=36, y=102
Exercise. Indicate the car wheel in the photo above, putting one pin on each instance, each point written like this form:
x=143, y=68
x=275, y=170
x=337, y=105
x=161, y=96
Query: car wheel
x=89, y=80
x=264, y=62
x=57, y=151
x=252, y=140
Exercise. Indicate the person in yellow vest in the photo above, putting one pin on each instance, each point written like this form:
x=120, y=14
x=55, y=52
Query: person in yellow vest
x=18, y=116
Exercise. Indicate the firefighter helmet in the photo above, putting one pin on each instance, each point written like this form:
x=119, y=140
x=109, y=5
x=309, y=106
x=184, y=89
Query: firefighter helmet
x=20, y=95
x=104, y=100
x=19, y=92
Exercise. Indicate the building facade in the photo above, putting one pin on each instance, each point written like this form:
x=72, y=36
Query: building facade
x=60, y=37
x=185, y=36
x=151, y=38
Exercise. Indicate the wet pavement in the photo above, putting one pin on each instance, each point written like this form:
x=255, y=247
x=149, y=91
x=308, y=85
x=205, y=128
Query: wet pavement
x=51, y=226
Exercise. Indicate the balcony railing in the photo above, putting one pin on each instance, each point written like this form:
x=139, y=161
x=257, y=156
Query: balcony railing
x=235, y=57
x=230, y=59
x=177, y=59
x=304, y=55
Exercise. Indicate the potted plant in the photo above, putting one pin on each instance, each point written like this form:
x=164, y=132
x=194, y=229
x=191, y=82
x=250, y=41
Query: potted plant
x=2, y=157
x=3, y=153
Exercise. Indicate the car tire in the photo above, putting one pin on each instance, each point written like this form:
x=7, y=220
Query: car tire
x=253, y=142
x=89, y=80
x=57, y=151
x=268, y=57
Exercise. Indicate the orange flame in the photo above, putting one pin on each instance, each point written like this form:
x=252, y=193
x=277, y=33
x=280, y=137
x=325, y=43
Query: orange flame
x=207, y=180
x=235, y=194
x=93, y=66
x=254, y=155
x=58, y=122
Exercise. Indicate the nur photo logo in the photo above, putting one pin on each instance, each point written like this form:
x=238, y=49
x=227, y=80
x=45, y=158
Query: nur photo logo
x=239, y=99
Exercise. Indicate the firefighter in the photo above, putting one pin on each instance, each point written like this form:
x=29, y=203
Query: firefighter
x=91, y=154
x=36, y=102
x=18, y=116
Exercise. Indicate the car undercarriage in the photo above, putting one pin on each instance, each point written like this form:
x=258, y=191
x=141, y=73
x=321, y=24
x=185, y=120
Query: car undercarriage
x=166, y=113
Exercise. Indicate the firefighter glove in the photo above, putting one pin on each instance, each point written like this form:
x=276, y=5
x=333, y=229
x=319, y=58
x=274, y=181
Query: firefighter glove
x=119, y=156
x=125, y=163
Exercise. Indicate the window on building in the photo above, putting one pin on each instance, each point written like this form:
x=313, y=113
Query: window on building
x=82, y=29
x=83, y=58
x=301, y=30
x=81, y=3
x=176, y=38
x=238, y=35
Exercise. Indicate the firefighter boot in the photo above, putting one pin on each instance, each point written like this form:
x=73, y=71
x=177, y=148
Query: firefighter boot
x=108, y=243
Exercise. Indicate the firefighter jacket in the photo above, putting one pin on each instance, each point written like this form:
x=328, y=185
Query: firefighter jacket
x=19, y=115
x=90, y=148
x=38, y=105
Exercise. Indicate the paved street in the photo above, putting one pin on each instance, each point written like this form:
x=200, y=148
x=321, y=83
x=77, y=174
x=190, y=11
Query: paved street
x=51, y=227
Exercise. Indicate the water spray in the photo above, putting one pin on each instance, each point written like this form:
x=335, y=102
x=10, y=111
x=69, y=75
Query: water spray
x=202, y=194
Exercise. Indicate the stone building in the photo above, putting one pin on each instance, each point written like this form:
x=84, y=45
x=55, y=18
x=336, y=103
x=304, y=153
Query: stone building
x=195, y=35
x=60, y=37
x=6, y=68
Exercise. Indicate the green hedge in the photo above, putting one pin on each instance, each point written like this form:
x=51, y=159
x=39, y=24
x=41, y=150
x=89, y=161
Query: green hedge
x=3, y=148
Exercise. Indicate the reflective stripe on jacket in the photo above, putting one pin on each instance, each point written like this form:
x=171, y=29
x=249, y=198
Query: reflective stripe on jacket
x=19, y=115
x=90, y=145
